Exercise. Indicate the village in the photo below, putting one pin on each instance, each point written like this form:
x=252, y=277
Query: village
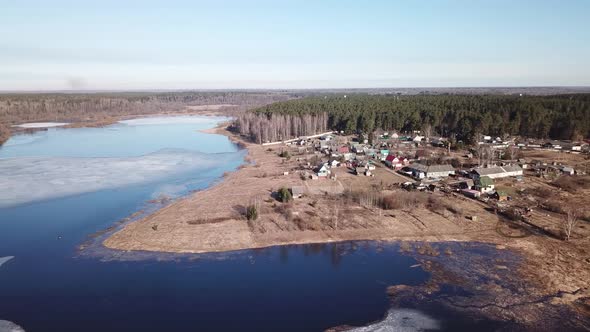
x=495, y=171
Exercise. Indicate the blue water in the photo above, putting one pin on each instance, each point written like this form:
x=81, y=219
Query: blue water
x=49, y=286
x=120, y=140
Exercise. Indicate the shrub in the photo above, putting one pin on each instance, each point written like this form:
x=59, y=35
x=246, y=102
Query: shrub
x=251, y=212
x=553, y=206
x=285, y=154
x=286, y=211
x=284, y=195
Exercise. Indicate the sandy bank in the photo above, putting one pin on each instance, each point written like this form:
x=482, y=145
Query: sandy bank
x=212, y=220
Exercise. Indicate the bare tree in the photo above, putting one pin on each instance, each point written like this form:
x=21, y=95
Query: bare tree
x=427, y=130
x=512, y=152
x=570, y=221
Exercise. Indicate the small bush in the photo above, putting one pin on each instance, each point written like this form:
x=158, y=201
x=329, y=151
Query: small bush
x=553, y=206
x=285, y=210
x=251, y=212
x=284, y=195
x=285, y=154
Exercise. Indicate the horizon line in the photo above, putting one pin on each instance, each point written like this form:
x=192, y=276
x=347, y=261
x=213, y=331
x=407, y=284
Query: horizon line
x=584, y=87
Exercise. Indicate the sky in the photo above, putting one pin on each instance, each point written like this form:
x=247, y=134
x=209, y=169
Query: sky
x=282, y=44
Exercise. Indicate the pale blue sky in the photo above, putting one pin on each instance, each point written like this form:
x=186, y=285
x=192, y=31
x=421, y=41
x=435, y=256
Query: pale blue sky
x=172, y=44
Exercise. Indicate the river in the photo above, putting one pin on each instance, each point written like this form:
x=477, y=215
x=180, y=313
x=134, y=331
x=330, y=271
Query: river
x=62, y=185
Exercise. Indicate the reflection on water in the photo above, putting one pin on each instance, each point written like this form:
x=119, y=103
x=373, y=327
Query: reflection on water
x=49, y=287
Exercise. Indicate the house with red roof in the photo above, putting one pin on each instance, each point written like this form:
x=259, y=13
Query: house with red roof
x=395, y=161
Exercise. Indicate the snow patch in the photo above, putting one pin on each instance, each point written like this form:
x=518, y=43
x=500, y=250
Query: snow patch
x=41, y=124
x=399, y=320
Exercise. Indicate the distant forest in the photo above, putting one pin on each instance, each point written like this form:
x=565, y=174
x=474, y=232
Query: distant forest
x=461, y=117
x=76, y=107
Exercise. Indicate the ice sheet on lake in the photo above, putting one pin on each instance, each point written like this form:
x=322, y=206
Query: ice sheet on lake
x=172, y=120
x=29, y=179
x=41, y=124
x=6, y=326
x=399, y=320
x=5, y=259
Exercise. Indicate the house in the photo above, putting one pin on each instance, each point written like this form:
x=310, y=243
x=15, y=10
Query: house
x=497, y=172
x=343, y=149
x=395, y=162
x=323, y=170
x=418, y=138
x=348, y=156
x=334, y=163
x=358, y=148
x=553, y=145
x=467, y=184
x=370, y=152
x=567, y=170
x=420, y=171
x=438, y=141
x=484, y=184
x=512, y=170
x=362, y=171
x=471, y=193
x=500, y=196
x=383, y=154
x=297, y=191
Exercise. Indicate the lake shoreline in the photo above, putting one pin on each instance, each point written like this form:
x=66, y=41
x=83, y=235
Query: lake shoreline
x=212, y=221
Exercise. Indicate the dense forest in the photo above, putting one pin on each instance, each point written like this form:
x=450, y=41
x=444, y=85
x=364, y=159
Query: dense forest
x=75, y=107
x=461, y=117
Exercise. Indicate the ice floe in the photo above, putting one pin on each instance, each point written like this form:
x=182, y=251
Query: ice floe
x=172, y=120
x=5, y=259
x=399, y=320
x=29, y=179
x=6, y=326
x=41, y=124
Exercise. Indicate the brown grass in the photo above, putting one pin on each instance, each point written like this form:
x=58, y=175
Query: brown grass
x=572, y=183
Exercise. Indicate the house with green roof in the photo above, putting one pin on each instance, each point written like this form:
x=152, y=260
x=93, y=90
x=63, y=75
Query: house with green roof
x=484, y=184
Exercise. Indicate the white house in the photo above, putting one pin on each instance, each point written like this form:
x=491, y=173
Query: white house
x=567, y=170
x=421, y=171
x=497, y=172
x=418, y=138
x=323, y=170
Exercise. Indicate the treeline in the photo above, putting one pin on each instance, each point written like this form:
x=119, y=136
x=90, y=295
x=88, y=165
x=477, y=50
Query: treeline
x=461, y=117
x=76, y=107
x=276, y=127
